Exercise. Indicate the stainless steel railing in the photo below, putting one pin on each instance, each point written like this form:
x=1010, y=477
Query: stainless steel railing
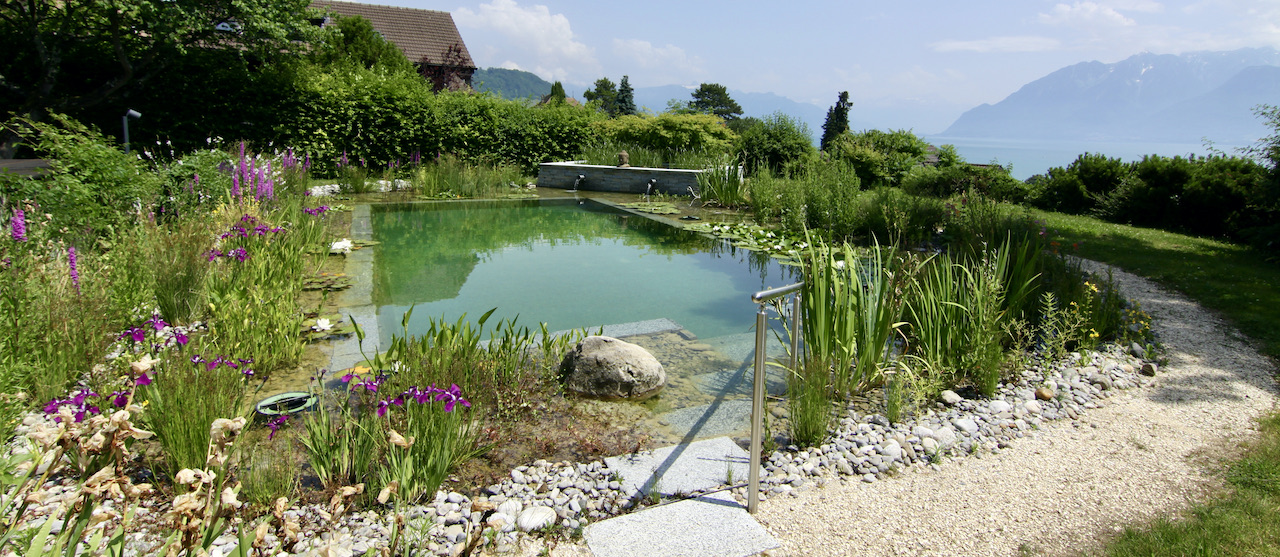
x=758, y=386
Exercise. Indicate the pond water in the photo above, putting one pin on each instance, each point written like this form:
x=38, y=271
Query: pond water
x=581, y=264
x=568, y=263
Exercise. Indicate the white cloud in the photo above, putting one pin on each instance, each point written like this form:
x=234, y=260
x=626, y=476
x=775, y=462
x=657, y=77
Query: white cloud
x=1089, y=14
x=644, y=54
x=544, y=40
x=999, y=44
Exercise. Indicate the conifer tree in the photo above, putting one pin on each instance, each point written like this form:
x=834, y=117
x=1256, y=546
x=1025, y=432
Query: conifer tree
x=557, y=95
x=626, y=98
x=837, y=120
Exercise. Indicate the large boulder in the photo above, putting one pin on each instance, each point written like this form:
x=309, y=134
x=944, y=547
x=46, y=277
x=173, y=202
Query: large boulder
x=611, y=369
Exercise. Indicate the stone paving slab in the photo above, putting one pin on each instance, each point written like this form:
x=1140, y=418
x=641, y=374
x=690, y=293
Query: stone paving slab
x=683, y=468
x=713, y=525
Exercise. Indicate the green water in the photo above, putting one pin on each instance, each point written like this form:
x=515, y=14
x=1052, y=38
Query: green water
x=570, y=264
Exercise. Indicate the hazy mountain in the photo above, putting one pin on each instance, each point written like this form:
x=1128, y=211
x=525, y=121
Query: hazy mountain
x=510, y=84
x=1146, y=97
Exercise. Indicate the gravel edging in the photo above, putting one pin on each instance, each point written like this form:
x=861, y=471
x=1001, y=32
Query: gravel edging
x=1070, y=484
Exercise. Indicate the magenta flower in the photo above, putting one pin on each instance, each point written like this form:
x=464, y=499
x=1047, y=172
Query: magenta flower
x=240, y=254
x=143, y=380
x=181, y=338
x=383, y=406
x=451, y=397
x=75, y=274
x=275, y=425
x=18, y=226
x=79, y=403
x=120, y=398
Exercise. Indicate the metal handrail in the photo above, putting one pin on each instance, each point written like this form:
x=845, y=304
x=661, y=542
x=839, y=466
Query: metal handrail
x=758, y=386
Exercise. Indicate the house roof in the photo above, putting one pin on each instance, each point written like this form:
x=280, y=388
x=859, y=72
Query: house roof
x=419, y=33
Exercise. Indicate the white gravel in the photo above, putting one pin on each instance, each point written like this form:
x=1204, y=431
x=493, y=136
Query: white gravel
x=1146, y=453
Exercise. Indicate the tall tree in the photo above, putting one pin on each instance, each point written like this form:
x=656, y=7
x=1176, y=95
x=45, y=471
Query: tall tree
x=557, y=95
x=69, y=55
x=837, y=120
x=626, y=104
x=605, y=95
x=354, y=41
x=713, y=98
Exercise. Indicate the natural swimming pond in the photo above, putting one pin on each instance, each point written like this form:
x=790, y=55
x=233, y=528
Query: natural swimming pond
x=569, y=263
x=582, y=264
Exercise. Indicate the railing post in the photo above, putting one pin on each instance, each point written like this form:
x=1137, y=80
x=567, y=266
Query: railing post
x=757, y=412
x=758, y=385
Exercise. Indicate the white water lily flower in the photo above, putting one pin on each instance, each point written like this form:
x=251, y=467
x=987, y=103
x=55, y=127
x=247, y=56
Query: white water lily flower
x=342, y=246
x=322, y=324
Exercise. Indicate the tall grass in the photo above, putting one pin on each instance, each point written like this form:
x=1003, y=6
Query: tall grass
x=447, y=176
x=178, y=266
x=809, y=407
x=849, y=308
x=721, y=183
x=183, y=399
x=256, y=277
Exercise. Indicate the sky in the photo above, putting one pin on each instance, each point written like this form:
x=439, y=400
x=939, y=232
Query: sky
x=920, y=64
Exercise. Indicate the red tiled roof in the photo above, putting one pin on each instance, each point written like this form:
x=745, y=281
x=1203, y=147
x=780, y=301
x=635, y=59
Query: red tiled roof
x=418, y=33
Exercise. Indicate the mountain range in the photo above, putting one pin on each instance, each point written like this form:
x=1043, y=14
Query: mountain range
x=1165, y=98
x=1144, y=98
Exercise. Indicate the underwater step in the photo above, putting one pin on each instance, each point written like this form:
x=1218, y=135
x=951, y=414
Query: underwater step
x=723, y=417
x=735, y=382
x=683, y=468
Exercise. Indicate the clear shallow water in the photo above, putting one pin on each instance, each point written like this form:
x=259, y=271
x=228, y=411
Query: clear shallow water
x=567, y=264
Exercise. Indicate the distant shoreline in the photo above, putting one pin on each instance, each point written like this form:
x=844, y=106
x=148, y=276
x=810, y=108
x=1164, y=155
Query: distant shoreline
x=1030, y=157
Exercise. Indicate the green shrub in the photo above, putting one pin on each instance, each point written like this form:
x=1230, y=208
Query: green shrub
x=91, y=189
x=777, y=143
x=991, y=181
x=669, y=133
x=879, y=157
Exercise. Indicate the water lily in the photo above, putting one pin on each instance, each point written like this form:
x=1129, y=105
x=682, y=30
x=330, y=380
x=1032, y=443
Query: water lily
x=342, y=246
x=322, y=324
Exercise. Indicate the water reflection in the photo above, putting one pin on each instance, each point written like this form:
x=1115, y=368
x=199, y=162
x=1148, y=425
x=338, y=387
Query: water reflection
x=568, y=264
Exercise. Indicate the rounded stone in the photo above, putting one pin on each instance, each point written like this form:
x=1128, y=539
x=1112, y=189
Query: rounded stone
x=608, y=368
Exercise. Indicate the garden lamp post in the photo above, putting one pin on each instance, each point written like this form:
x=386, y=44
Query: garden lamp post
x=131, y=113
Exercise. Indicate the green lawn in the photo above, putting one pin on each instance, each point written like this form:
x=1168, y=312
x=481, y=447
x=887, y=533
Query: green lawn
x=1239, y=284
x=1233, y=280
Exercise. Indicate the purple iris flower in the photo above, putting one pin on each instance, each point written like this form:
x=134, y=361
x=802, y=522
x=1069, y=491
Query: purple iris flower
x=120, y=398
x=143, y=380
x=451, y=397
x=275, y=425
x=181, y=338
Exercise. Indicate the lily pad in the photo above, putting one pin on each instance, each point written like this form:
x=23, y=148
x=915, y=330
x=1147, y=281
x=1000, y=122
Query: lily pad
x=653, y=207
x=331, y=326
x=329, y=282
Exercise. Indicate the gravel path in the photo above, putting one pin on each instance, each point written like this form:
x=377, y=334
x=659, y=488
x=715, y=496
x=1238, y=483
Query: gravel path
x=1145, y=453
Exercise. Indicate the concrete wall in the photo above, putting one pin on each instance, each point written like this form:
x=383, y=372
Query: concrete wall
x=611, y=178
